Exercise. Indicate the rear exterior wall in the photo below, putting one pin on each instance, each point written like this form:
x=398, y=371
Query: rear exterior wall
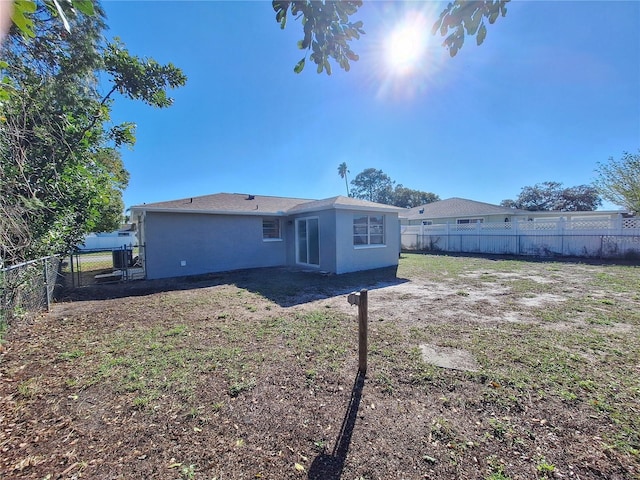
x=352, y=258
x=326, y=240
x=192, y=244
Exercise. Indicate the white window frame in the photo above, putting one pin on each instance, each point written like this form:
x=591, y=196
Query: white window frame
x=368, y=233
x=278, y=227
x=467, y=221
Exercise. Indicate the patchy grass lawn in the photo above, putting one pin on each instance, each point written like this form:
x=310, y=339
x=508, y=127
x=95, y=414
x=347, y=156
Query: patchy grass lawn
x=252, y=374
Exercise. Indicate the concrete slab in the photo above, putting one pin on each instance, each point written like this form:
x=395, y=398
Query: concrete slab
x=446, y=357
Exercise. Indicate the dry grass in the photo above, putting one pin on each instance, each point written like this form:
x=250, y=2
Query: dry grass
x=251, y=375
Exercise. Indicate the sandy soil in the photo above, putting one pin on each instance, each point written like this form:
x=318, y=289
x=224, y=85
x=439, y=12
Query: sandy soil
x=60, y=419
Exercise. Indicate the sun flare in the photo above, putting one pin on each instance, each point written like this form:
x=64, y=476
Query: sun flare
x=408, y=60
x=406, y=47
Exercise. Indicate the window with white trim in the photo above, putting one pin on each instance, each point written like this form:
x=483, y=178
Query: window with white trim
x=368, y=230
x=271, y=229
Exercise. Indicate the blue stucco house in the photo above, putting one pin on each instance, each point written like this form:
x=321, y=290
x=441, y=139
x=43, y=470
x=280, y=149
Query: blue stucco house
x=230, y=231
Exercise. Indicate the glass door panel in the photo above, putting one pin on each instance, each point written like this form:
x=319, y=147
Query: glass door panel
x=307, y=241
x=313, y=243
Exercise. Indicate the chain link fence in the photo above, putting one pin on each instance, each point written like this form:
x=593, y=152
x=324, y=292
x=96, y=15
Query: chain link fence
x=100, y=266
x=28, y=288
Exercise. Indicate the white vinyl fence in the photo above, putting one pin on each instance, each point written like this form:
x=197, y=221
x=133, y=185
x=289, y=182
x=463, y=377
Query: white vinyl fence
x=617, y=238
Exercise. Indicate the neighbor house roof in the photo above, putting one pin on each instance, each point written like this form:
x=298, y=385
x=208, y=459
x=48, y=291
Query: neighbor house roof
x=246, y=204
x=457, y=207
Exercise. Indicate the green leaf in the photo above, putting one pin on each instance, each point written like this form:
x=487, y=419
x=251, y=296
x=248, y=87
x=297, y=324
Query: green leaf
x=482, y=33
x=25, y=6
x=327, y=66
x=326, y=27
x=299, y=66
x=280, y=8
x=352, y=56
x=472, y=27
x=85, y=6
x=20, y=18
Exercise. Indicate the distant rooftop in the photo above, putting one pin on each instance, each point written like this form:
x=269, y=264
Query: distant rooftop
x=457, y=207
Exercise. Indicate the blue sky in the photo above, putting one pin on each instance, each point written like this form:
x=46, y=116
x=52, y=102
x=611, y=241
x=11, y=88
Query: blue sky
x=554, y=89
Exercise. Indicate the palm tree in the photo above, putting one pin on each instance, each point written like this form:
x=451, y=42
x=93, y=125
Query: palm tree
x=342, y=171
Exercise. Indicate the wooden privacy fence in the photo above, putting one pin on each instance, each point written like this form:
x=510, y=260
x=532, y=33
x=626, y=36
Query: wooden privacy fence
x=618, y=238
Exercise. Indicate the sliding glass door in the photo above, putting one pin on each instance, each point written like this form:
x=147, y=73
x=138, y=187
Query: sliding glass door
x=307, y=241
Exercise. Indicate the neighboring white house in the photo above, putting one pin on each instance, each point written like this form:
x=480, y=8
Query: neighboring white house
x=460, y=225
x=123, y=238
x=460, y=211
x=227, y=231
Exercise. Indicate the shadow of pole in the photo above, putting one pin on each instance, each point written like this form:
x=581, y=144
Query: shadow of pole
x=329, y=467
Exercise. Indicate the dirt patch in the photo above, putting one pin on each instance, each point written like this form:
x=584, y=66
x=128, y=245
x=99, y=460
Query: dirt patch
x=541, y=300
x=532, y=372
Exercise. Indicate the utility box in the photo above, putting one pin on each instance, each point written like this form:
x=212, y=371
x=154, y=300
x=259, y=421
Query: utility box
x=122, y=258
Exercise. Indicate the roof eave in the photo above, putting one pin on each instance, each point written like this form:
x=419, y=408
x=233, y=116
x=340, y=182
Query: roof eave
x=362, y=208
x=372, y=208
x=262, y=213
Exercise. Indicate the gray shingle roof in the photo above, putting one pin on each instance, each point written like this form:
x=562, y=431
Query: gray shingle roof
x=242, y=203
x=226, y=203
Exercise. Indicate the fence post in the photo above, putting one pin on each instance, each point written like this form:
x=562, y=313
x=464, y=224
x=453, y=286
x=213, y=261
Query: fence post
x=363, y=314
x=361, y=300
x=619, y=224
x=125, y=263
x=45, y=282
x=3, y=310
x=73, y=274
